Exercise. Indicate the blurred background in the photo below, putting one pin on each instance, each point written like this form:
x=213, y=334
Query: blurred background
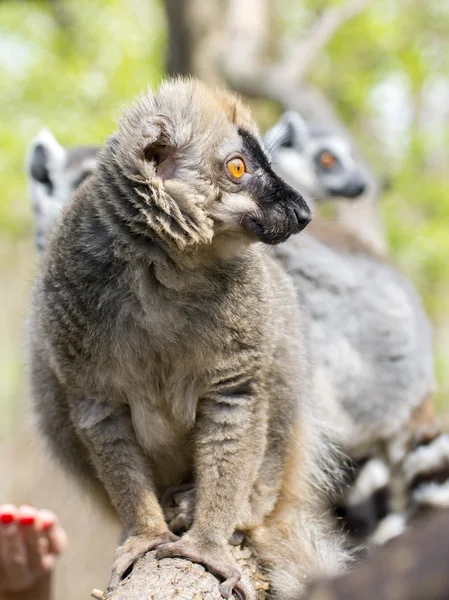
x=376, y=70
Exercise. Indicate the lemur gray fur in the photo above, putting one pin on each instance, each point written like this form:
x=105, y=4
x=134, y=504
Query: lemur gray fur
x=167, y=346
x=370, y=336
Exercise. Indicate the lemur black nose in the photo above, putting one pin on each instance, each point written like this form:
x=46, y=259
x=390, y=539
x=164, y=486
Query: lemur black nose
x=360, y=188
x=354, y=189
x=303, y=217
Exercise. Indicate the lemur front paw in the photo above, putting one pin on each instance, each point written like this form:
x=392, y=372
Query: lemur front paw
x=132, y=549
x=217, y=559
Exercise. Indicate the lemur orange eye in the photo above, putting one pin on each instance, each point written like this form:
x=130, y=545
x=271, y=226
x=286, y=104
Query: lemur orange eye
x=327, y=159
x=236, y=168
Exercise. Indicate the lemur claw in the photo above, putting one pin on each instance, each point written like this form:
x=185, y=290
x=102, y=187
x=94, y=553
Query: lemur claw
x=131, y=550
x=217, y=560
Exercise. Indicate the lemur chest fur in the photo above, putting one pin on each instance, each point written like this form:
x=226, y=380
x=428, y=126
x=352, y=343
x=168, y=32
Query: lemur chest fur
x=163, y=373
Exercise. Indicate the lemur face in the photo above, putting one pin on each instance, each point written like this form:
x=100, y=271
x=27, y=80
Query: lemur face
x=279, y=210
x=318, y=164
x=213, y=147
x=195, y=168
x=54, y=173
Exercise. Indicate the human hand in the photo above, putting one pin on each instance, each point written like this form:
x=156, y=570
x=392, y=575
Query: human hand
x=30, y=542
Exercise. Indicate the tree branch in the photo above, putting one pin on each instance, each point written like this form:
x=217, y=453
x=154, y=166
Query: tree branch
x=302, y=56
x=175, y=578
x=242, y=61
x=411, y=567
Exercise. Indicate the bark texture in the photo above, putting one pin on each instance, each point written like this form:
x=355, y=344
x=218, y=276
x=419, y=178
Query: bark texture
x=179, y=579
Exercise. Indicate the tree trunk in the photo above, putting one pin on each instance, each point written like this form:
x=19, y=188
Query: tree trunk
x=195, y=34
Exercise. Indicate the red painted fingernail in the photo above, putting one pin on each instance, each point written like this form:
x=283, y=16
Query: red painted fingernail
x=47, y=524
x=6, y=518
x=26, y=520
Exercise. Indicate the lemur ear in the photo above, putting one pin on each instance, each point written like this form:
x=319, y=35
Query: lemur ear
x=174, y=210
x=45, y=155
x=297, y=128
x=159, y=147
x=290, y=131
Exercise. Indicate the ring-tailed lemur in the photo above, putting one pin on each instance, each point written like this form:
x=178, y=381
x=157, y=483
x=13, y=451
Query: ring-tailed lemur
x=322, y=163
x=54, y=172
x=370, y=336
x=319, y=163
x=372, y=343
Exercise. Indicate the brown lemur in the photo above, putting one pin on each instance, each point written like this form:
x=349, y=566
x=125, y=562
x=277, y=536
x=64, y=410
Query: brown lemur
x=167, y=346
x=370, y=338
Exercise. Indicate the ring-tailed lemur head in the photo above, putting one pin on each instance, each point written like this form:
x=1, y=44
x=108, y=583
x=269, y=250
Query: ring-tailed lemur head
x=53, y=175
x=317, y=163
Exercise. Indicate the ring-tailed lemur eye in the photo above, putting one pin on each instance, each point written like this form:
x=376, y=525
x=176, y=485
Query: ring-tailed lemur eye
x=327, y=160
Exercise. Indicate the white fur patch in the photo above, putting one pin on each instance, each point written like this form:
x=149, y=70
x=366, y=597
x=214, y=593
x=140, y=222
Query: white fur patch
x=233, y=205
x=427, y=458
x=433, y=494
x=390, y=527
x=374, y=476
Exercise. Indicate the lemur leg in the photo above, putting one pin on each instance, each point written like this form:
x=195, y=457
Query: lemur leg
x=283, y=523
x=227, y=461
x=108, y=434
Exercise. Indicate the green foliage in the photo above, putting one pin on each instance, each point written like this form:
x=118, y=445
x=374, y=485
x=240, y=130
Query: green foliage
x=418, y=213
x=72, y=79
